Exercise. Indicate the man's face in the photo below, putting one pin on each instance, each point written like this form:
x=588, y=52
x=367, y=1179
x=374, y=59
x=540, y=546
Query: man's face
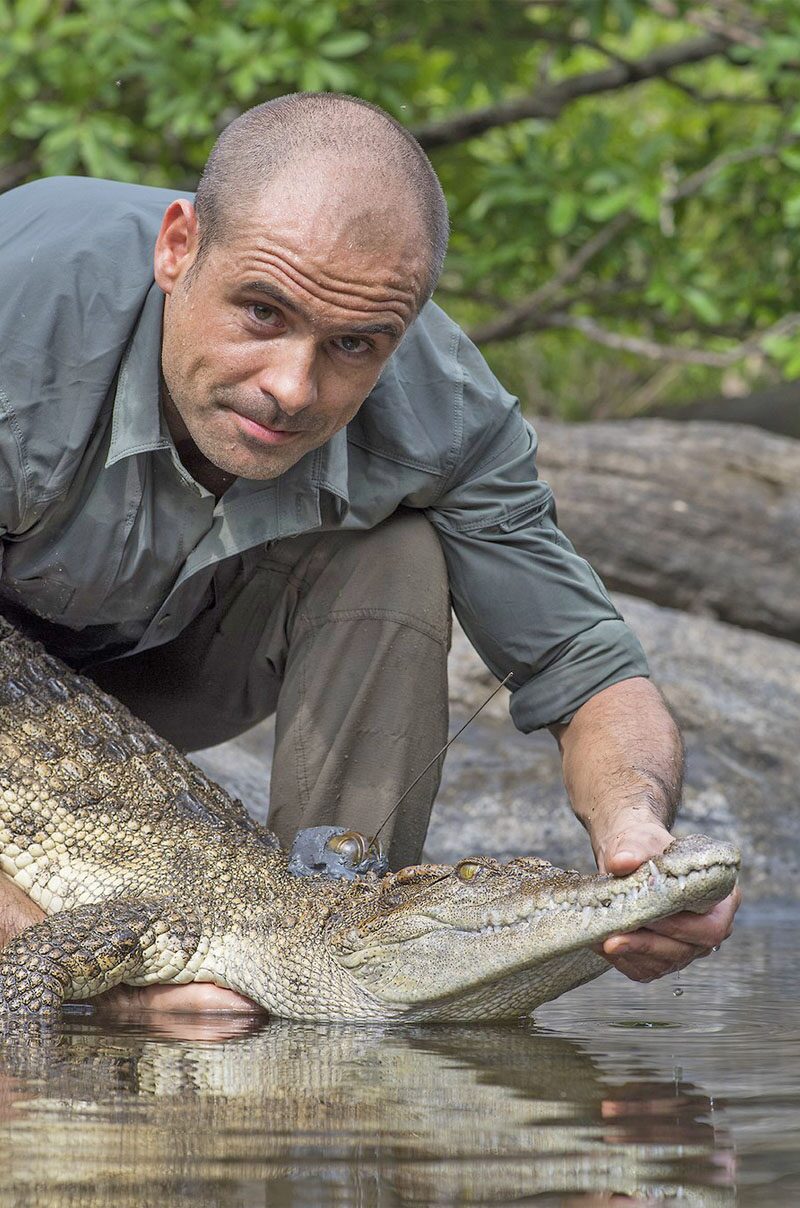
x=274, y=340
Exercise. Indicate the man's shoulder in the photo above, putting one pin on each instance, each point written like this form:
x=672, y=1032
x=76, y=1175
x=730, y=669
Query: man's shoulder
x=78, y=251
x=76, y=260
x=78, y=227
x=435, y=393
x=78, y=200
x=408, y=417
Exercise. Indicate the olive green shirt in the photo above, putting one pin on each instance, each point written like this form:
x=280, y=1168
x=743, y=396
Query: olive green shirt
x=107, y=537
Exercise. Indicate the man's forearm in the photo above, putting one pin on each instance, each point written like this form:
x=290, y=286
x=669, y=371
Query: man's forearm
x=623, y=766
x=622, y=757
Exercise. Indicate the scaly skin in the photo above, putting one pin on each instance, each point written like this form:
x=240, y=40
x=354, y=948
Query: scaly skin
x=150, y=873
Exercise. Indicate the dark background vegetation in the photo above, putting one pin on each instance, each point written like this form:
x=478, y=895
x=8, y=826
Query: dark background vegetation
x=623, y=175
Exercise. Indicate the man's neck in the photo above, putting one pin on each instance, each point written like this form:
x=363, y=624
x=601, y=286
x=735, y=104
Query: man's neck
x=201, y=469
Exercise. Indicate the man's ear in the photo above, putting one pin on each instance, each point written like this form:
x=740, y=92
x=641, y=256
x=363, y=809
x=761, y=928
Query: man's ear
x=176, y=245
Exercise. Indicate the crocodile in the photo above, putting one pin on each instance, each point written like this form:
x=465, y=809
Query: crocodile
x=148, y=872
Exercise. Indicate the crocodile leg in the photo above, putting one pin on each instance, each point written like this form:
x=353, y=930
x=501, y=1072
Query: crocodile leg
x=79, y=953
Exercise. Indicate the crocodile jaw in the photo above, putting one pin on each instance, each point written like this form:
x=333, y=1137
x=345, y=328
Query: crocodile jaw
x=433, y=962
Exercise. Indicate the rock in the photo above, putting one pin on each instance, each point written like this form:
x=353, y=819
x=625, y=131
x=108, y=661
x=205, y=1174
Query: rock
x=774, y=409
x=470, y=683
x=736, y=696
x=699, y=516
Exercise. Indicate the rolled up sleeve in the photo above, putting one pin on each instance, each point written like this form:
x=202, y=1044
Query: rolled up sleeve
x=528, y=603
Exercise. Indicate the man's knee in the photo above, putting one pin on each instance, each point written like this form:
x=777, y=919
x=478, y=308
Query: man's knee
x=396, y=568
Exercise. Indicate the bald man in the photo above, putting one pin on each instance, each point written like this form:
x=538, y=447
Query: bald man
x=247, y=466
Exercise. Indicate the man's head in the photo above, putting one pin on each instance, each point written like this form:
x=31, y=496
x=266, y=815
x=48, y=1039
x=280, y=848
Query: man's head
x=318, y=233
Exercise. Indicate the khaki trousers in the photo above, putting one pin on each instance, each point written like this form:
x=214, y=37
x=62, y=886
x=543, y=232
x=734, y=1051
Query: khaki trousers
x=344, y=637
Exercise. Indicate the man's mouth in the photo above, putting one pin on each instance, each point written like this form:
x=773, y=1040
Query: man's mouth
x=265, y=433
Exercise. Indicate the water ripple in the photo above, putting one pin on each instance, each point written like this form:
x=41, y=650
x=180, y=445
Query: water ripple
x=614, y=1090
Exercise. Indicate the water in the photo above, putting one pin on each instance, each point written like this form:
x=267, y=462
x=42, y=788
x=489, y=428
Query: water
x=616, y=1094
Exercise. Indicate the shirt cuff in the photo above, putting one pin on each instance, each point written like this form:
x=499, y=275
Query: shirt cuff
x=605, y=654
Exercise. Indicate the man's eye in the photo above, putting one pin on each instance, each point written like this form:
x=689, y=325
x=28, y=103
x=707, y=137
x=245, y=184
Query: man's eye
x=352, y=344
x=265, y=314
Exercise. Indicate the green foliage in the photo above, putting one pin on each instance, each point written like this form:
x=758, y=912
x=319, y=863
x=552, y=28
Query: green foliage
x=139, y=92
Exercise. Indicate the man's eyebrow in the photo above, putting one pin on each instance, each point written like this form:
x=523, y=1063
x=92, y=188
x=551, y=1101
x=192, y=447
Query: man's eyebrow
x=277, y=295
x=357, y=329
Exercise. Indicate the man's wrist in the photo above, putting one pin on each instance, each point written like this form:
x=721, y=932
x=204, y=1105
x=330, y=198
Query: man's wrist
x=622, y=757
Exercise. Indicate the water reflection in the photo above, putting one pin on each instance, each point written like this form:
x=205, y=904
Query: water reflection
x=616, y=1095
x=221, y=1114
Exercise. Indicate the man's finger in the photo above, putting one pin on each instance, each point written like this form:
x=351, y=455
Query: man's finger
x=661, y=948
x=703, y=930
x=644, y=956
x=649, y=968
x=625, y=850
x=670, y=944
x=707, y=930
x=194, y=997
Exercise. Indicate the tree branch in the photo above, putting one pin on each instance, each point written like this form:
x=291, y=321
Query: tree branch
x=669, y=352
x=720, y=98
x=524, y=316
x=548, y=101
x=738, y=27
x=528, y=314
x=695, y=180
x=15, y=174
x=566, y=39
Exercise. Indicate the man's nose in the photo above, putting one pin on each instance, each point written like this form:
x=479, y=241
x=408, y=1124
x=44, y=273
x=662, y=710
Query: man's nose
x=289, y=375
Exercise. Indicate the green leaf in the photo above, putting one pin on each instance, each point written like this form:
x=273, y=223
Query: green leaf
x=791, y=209
x=344, y=46
x=29, y=13
x=785, y=351
x=648, y=207
x=562, y=213
x=608, y=205
x=334, y=76
x=702, y=304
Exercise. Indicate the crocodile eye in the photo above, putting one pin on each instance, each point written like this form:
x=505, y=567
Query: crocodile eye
x=468, y=871
x=351, y=846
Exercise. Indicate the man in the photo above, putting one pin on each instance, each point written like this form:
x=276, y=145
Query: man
x=246, y=468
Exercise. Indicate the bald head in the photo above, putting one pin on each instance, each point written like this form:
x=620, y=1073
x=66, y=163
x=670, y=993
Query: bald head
x=335, y=150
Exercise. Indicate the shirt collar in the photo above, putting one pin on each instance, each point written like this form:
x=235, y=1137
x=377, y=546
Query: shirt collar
x=136, y=425
x=323, y=469
x=330, y=469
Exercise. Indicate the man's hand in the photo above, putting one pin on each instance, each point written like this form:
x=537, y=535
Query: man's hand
x=622, y=756
x=17, y=912
x=670, y=944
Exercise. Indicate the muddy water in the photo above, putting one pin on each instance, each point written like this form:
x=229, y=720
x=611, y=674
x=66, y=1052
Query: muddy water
x=686, y=1091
